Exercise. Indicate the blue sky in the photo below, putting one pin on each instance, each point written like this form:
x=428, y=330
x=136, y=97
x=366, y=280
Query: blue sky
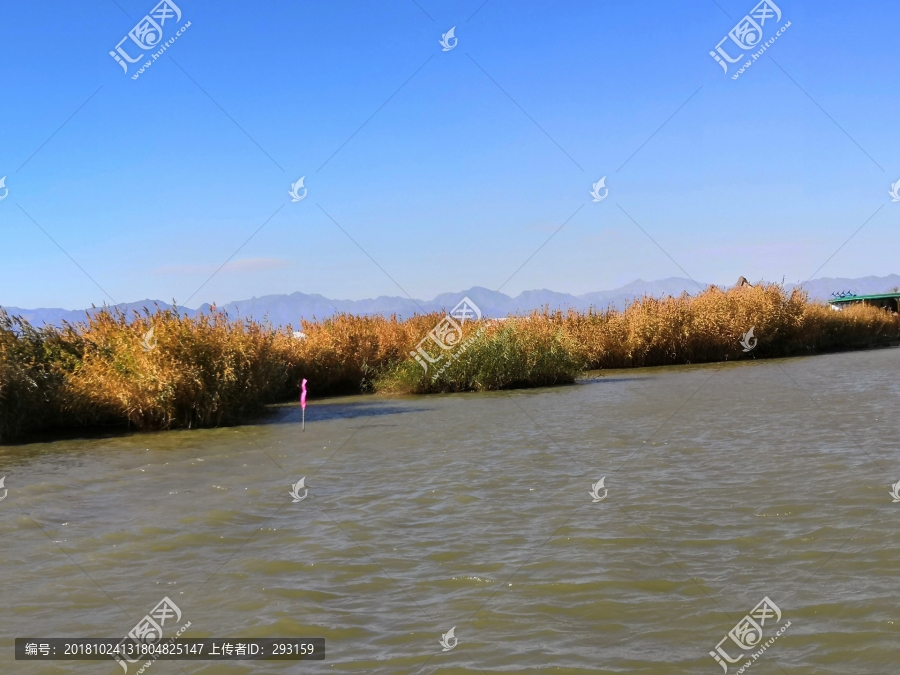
x=465, y=171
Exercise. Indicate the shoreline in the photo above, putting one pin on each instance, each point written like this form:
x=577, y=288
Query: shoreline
x=164, y=370
x=259, y=417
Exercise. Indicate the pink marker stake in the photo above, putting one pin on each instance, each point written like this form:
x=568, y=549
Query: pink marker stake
x=303, y=402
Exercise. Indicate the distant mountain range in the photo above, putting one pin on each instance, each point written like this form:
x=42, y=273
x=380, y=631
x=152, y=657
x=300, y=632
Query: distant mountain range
x=281, y=310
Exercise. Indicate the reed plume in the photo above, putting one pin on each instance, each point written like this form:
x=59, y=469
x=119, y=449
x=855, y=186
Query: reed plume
x=162, y=369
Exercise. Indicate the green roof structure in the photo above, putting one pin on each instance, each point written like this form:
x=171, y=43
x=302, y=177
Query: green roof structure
x=858, y=298
x=887, y=301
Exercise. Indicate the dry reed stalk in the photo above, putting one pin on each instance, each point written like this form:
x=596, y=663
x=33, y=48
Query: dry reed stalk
x=210, y=370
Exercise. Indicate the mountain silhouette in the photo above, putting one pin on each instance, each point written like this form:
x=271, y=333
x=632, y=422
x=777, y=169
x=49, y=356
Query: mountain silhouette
x=284, y=309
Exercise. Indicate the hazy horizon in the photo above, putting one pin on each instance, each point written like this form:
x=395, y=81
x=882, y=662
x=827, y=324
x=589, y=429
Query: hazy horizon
x=289, y=304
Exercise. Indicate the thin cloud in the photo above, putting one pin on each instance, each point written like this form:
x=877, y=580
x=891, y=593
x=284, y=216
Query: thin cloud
x=239, y=266
x=765, y=249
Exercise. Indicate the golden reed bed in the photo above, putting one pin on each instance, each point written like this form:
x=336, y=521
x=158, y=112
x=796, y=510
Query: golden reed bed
x=211, y=370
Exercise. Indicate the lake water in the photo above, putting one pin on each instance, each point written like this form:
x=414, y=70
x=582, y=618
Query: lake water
x=726, y=484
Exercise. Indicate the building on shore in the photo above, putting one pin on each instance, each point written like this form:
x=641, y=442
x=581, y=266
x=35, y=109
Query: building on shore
x=889, y=301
